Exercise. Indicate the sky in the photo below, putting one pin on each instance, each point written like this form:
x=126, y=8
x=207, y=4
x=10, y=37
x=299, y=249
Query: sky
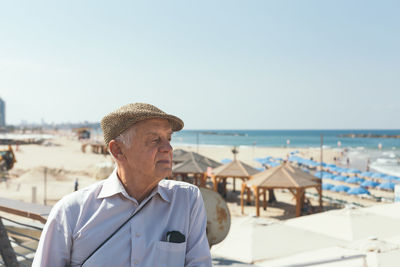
x=215, y=64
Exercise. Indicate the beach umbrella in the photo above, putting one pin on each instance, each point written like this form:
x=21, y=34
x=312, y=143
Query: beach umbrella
x=272, y=164
x=387, y=186
x=378, y=175
x=391, y=178
x=331, y=165
x=340, y=188
x=353, y=171
x=327, y=186
x=334, y=169
x=358, y=191
x=262, y=160
x=366, y=174
x=225, y=161
x=340, y=178
x=369, y=183
x=354, y=180
x=325, y=175
x=294, y=159
x=339, y=170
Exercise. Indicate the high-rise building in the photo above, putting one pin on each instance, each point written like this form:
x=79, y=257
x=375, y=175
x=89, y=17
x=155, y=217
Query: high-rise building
x=2, y=113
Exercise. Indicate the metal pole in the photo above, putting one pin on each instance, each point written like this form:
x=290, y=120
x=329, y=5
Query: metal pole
x=45, y=187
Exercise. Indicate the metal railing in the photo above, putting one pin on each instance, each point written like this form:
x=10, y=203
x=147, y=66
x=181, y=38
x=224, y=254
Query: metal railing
x=22, y=241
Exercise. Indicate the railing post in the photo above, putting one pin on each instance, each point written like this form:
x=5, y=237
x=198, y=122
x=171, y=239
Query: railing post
x=6, y=251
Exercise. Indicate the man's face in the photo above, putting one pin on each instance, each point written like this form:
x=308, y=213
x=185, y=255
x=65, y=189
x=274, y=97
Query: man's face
x=150, y=154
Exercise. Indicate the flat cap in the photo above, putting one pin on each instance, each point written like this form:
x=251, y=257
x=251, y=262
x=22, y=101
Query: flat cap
x=121, y=119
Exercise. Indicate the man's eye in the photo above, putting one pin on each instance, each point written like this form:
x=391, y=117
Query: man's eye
x=156, y=140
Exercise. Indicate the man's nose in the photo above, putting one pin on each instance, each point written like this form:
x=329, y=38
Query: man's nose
x=166, y=146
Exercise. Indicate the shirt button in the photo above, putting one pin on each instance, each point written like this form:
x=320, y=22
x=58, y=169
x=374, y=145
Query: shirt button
x=137, y=234
x=136, y=261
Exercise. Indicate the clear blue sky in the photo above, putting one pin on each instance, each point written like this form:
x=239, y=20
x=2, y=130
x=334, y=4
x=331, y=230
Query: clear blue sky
x=216, y=64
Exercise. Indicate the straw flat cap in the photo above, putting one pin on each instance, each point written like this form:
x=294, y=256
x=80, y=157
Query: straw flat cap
x=121, y=119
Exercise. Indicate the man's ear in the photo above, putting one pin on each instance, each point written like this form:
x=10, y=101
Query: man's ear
x=115, y=148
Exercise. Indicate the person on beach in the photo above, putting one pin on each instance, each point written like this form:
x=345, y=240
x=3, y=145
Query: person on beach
x=135, y=217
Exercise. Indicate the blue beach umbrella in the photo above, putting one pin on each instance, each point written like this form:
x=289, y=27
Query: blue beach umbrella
x=391, y=178
x=366, y=174
x=340, y=188
x=294, y=159
x=353, y=171
x=354, y=180
x=358, y=191
x=387, y=186
x=340, y=178
x=260, y=160
x=272, y=164
x=341, y=170
x=325, y=175
x=334, y=169
x=226, y=161
x=369, y=183
x=331, y=166
x=377, y=175
x=327, y=186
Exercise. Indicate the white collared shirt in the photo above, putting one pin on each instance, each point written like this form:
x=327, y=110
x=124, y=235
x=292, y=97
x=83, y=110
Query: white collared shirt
x=81, y=221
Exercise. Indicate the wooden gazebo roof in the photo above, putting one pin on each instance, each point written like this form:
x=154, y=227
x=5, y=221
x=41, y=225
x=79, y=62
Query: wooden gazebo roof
x=178, y=155
x=181, y=155
x=283, y=176
x=236, y=168
x=195, y=164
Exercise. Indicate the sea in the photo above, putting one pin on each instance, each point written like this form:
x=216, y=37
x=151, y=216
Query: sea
x=382, y=153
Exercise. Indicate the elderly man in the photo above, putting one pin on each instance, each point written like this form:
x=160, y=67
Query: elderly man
x=135, y=217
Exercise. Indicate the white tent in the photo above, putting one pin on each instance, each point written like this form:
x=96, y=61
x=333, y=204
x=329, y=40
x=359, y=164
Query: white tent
x=348, y=224
x=252, y=240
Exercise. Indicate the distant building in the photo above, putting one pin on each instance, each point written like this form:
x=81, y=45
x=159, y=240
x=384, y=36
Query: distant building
x=2, y=113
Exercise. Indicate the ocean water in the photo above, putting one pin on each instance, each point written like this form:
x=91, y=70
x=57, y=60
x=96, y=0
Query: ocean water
x=359, y=150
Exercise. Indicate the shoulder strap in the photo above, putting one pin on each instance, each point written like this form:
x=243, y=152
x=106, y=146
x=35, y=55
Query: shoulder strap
x=119, y=228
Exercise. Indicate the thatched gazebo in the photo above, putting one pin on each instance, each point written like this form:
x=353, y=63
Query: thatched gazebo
x=234, y=169
x=180, y=155
x=196, y=165
x=284, y=176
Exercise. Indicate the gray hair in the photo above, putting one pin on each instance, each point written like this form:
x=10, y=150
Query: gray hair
x=126, y=138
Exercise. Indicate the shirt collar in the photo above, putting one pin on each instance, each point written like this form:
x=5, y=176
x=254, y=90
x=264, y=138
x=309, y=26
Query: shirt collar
x=112, y=186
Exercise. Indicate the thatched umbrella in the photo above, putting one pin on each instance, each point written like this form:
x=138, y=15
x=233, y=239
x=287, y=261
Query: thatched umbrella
x=197, y=165
x=283, y=176
x=179, y=156
x=233, y=169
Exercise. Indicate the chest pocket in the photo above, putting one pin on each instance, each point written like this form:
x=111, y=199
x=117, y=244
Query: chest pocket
x=171, y=254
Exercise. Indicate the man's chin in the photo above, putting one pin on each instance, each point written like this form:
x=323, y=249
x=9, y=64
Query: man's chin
x=167, y=172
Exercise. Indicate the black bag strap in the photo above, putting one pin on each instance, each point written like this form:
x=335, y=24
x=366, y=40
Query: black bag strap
x=119, y=228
